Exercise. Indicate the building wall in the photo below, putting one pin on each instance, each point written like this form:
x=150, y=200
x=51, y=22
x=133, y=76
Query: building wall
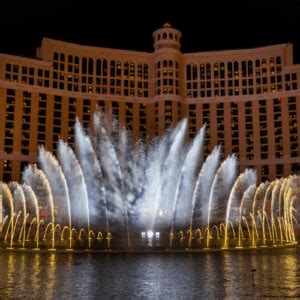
x=248, y=99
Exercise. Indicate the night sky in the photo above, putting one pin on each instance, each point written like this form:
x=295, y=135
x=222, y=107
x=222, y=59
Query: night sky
x=216, y=25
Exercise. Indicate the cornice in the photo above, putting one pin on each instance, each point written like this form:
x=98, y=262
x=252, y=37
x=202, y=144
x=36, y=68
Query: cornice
x=236, y=55
x=94, y=51
x=24, y=60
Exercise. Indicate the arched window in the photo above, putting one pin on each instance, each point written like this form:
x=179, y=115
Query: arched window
x=164, y=36
x=158, y=65
x=257, y=63
x=208, y=71
x=188, y=72
x=104, y=67
x=222, y=70
x=119, y=68
x=84, y=65
x=278, y=60
x=146, y=71
x=244, y=68
x=170, y=64
x=70, y=59
x=132, y=70
x=91, y=66
x=171, y=36
x=194, y=73
x=165, y=64
x=202, y=71
x=112, y=68
x=250, y=68
x=55, y=56
x=98, y=67
x=62, y=57
x=140, y=71
x=126, y=69
x=216, y=70
x=76, y=60
x=236, y=69
x=158, y=37
x=229, y=69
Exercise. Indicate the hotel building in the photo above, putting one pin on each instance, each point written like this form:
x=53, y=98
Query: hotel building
x=249, y=99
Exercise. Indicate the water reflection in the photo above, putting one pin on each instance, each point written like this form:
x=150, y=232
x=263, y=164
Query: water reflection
x=203, y=275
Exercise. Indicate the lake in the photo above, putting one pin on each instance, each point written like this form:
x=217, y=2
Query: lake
x=214, y=275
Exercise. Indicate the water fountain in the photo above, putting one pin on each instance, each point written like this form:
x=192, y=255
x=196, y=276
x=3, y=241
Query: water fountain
x=114, y=193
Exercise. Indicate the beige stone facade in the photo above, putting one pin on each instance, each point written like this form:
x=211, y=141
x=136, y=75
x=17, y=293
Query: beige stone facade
x=249, y=99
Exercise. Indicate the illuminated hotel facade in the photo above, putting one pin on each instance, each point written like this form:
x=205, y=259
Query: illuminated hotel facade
x=249, y=99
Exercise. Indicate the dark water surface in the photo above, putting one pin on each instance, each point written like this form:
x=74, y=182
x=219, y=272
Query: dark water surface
x=207, y=275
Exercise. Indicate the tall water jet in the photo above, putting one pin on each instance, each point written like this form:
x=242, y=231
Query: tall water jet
x=170, y=173
x=203, y=187
x=20, y=205
x=257, y=207
x=40, y=185
x=245, y=209
x=186, y=184
x=76, y=186
x=33, y=207
x=113, y=179
x=93, y=178
x=59, y=187
x=222, y=185
x=8, y=198
x=275, y=208
x=246, y=179
x=131, y=155
x=148, y=204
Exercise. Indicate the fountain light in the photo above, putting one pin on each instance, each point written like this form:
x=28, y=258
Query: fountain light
x=150, y=234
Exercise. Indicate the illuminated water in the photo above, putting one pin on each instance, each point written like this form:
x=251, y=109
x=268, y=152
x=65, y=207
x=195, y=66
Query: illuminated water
x=110, y=189
x=207, y=275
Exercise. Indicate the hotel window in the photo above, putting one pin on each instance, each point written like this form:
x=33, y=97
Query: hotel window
x=295, y=168
x=192, y=120
x=128, y=116
x=71, y=119
x=291, y=81
x=9, y=121
x=8, y=72
x=205, y=80
x=220, y=125
x=142, y=77
x=86, y=113
x=142, y=121
x=279, y=170
x=264, y=173
x=168, y=114
x=278, y=127
x=56, y=122
x=233, y=78
x=26, y=123
x=192, y=79
x=263, y=130
x=293, y=128
x=206, y=120
x=219, y=79
x=234, y=128
x=7, y=170
x=156, y=118
x=167, y=81
x=249, y=130
x=42, y=111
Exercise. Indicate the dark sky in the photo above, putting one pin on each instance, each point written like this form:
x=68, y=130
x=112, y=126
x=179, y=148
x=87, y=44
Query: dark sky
x=215, y=25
